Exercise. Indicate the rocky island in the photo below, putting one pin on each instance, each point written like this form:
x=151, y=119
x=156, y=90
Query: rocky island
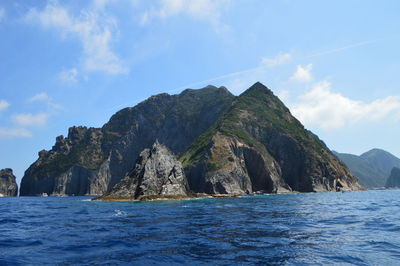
x=157, y=173
x=204, y=141
x=8, y=184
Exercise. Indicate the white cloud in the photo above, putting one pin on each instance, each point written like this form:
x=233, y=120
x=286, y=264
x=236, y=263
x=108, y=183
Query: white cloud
x=279, y=59
x=14, y=133
x=302, y=73
x=93, y=28
x=28, y=119
x=4, y=105
x=42, y=96
x=329, y=110
x=207, y=10
x=69, y=76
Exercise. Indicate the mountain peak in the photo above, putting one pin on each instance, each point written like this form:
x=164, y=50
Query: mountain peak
x=258, y=87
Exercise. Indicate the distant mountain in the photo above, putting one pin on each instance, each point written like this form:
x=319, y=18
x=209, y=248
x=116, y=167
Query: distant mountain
x=394, y=178
x=372, y=168
x=225, y=144
x=381, y=160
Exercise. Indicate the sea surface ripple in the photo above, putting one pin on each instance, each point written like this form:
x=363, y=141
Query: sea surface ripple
x=361, y=228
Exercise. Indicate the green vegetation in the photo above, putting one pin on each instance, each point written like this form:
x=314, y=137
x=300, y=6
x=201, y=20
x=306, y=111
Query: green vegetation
x=197, y=150
x=85, y=153
x=256, y=108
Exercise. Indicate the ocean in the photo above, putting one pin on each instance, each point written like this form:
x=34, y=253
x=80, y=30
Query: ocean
x=361, y=228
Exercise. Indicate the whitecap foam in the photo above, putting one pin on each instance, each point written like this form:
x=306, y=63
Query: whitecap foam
x=119, y=213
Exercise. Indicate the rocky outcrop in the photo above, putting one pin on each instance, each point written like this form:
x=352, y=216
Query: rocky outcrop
x=394, y=178
x=227, y=145
x=76, y=165
x=157, y=173
x=8, y=185
x=233, y=167
x=258, y=146
x=90, y=161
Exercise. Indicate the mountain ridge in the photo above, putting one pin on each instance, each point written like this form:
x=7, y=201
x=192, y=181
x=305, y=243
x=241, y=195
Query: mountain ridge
x=99, y=157
x=372, y=167
x=227, y=144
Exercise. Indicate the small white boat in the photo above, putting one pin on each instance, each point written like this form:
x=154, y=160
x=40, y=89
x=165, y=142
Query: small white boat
x=44, y=194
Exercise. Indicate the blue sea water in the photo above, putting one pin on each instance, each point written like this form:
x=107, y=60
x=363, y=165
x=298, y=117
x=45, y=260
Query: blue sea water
x=361, y=228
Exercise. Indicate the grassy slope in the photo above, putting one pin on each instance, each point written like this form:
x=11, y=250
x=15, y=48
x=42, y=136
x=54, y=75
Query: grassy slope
x=257, y=107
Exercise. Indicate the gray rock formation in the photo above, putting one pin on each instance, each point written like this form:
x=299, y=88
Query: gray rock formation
x=227, y=144
x=8, y=185
x=233, y=167
x=157, y=173
x=394, y=178
x=258, y=146
x=90, y=161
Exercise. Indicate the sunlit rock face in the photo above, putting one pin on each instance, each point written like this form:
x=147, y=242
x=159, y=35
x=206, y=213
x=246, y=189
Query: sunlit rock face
x=8, y=185
x=157, y=173
x=90, y=161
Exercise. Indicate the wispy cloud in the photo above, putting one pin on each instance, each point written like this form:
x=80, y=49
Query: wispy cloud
x=69, y=76
x=328, y=110
x=278, y=60
x=6, y=133
x=29, y=119
x=236, y=83
x=340, y=49
x=206, y=10
x=4, y=105
x=275, y=61
x=302, y=73
x=95, y=30
x=42, y=96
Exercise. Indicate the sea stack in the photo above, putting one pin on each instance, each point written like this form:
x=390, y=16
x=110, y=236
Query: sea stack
x=8, y=184
x=394, y=178
x=157, y=174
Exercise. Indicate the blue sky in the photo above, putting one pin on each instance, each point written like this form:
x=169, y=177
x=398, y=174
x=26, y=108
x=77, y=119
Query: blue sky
x=62, y=63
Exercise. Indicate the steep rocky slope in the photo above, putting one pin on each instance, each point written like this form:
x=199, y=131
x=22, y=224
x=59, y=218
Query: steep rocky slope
x=90, y=161
x=394, y=178
x=157, y=173
x=258, y=146
x=8, y=185
x=245, y=144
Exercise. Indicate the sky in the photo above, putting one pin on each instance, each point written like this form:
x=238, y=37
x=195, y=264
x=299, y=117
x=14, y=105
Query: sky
x=335, y=64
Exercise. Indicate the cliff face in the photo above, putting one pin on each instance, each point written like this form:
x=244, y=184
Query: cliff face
x=8, y=185
x=90, y=161
x=157, y=173
x=245, y=144
x=394, y=178
x=258, y=146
